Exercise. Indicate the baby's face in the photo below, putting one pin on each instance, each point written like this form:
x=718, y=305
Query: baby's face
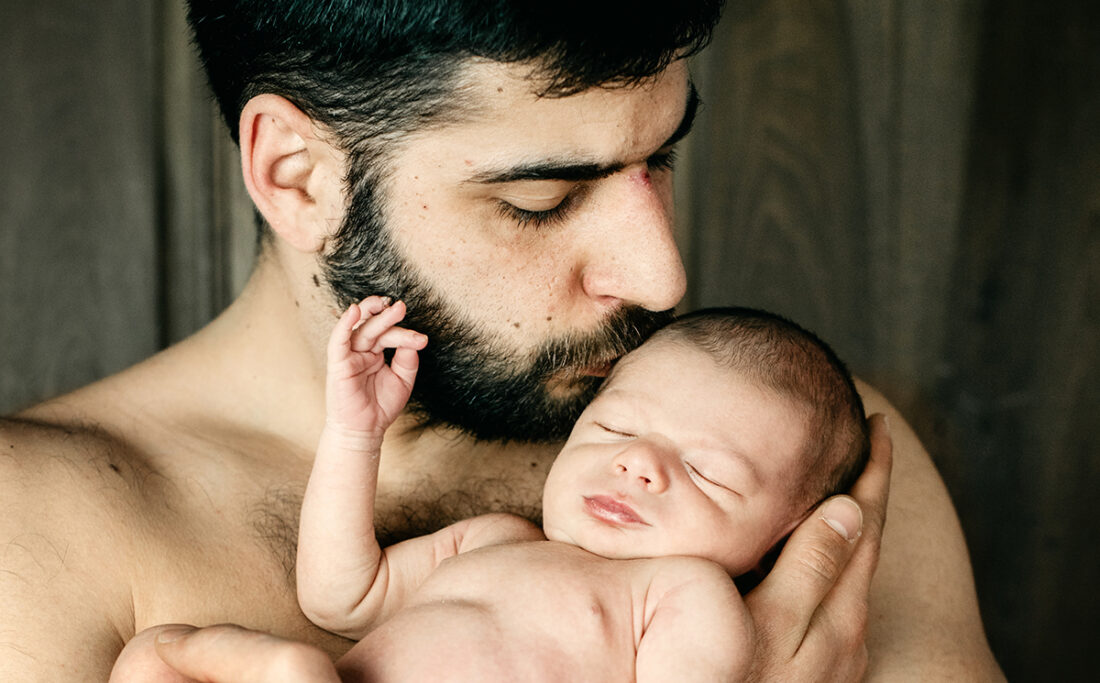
x=677, y=456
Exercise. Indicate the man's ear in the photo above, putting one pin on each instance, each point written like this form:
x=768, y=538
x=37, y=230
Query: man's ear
x=293, y=175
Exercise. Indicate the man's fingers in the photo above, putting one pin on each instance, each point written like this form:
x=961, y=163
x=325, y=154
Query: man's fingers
x=848, y=602
x=807, y=568
x=814, y=559
x=872, y=489
x=232, y=654
x=139, y=662
x=840, y=623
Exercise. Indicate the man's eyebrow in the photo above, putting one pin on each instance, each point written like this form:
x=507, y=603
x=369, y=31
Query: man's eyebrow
x=573, y=171
x=688, y=120
x=547, y=170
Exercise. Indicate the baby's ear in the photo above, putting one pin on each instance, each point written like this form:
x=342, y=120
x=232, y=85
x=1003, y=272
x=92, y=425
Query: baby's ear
x=750, y=579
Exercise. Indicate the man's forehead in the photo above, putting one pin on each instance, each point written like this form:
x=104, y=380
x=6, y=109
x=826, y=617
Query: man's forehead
x=503, y=107
x=483, y=77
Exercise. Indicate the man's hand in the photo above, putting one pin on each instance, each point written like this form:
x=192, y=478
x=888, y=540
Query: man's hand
x=810, y=611
x=176, y=653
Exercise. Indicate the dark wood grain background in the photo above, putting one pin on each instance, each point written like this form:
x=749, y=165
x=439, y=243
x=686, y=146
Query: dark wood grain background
x=917, y=181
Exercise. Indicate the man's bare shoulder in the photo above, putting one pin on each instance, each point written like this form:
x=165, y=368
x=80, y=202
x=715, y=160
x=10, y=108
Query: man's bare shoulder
x=66, y=506
x=923, y=554
x=33, y=449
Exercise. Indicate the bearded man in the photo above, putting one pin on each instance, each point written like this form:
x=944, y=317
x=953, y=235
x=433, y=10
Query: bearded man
x=505, y=170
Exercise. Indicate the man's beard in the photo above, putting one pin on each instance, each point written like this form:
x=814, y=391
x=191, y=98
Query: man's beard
x=465, y=379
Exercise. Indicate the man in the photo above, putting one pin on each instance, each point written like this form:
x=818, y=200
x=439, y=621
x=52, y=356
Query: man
x=447, y=154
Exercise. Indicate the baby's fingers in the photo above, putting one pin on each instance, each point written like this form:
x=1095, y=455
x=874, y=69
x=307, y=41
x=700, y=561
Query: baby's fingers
x=377, y=332
x=393, y=338
x=405, y=363
x=339, y=342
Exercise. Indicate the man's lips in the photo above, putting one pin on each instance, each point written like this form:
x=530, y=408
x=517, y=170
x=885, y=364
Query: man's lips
x=607, y=509
x=568, y=379
x=598, y=370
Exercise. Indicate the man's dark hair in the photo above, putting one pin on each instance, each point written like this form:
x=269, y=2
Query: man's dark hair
x=371, y=71
x=779, y=355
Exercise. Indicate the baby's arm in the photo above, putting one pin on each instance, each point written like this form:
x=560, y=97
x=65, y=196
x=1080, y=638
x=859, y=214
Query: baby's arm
x=696, y=626
x=339, y=558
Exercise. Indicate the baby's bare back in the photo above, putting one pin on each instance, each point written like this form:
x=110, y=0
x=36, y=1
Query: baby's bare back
x=519, y=612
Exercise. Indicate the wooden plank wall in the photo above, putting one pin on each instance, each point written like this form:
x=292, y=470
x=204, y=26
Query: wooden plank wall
x=124, y=224
x=918, y=181
x=79, y=196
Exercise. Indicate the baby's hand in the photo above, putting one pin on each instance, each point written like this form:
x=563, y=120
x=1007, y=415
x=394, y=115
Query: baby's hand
x=364, y=395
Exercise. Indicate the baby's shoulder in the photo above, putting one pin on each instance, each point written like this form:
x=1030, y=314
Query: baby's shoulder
x=493, y=529
x=686, y=569
x=676, y=577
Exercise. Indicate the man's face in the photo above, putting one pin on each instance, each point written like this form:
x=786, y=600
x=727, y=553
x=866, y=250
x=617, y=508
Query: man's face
x=533, y=245
x=678, y=456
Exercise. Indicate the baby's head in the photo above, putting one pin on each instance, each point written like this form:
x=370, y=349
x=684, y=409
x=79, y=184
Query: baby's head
x=714, y=439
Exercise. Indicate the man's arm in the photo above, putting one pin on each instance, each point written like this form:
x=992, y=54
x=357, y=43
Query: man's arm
x=924, y=622
x=65, y=603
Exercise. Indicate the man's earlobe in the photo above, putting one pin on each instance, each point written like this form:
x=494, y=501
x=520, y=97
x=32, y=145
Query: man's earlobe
x=289, y=171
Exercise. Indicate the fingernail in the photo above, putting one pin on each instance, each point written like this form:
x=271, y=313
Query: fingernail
x=844, y=516
x=387, y=301
x=173, y=633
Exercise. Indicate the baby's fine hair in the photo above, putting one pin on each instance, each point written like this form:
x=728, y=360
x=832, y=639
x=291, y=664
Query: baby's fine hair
x=779, y=355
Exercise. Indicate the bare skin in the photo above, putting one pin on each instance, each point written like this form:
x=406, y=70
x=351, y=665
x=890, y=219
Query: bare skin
x=169, y=492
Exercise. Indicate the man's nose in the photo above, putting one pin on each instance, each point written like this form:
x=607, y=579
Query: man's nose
x=642, y=464
x=633, y=258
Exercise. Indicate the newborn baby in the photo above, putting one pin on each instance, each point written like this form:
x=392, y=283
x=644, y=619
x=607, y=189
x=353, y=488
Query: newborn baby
x=702, y=450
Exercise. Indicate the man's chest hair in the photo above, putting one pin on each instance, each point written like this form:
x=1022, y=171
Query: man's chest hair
x=418, y=511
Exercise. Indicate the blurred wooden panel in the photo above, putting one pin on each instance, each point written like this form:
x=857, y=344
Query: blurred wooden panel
x=124, y=223
x=776, y=203
x=1020, y=396
x=210, y=238
x=78, y=193
x=920, y=183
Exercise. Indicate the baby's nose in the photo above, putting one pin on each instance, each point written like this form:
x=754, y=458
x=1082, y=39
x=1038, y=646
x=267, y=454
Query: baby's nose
x=642, y=464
